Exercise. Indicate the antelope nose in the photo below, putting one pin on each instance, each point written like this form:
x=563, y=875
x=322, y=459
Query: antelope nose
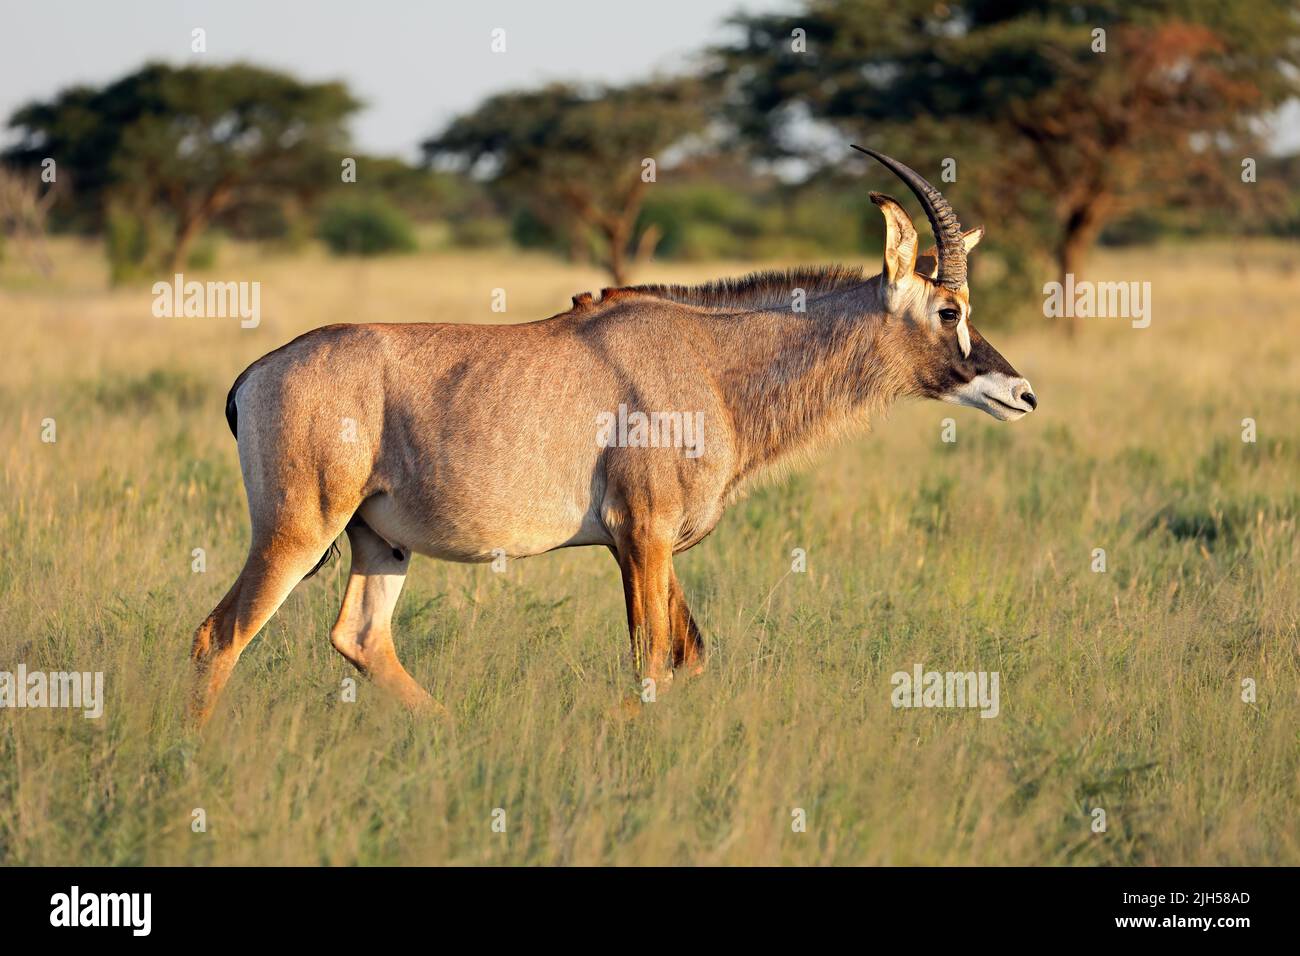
x=1022, y=392
x=1029, y=399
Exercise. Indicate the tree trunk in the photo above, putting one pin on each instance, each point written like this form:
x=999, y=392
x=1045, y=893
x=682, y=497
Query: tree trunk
x=649, y=241
x=1080, y=230
x=187, y=230
x=1069, y=256
x=616, y=237
x=191, y=223
x=619, y=236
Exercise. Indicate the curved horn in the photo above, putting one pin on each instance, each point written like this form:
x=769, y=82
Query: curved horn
x=943, y=221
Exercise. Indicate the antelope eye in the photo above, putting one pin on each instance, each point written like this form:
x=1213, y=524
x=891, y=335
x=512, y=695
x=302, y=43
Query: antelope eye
x=949, y=316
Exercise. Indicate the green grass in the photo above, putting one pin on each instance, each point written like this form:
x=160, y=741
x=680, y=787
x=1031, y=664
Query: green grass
x=1119, y=690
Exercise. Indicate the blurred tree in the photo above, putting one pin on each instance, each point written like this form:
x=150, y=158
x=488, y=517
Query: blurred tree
x=190, y=142
x=415, y=192
x=420, y=193
x=365, y=224
x=1062, y=125
x=575, y=158
x=24, y=206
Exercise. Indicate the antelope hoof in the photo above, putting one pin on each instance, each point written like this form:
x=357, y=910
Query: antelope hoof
x=420, y=703
x=663, y=683
x=629, y=708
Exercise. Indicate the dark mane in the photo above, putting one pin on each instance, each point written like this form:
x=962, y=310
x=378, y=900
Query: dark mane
x=758, y=290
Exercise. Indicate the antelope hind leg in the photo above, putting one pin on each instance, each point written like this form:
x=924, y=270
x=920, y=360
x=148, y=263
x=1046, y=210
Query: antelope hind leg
x=688, y=642
x=272, y=570
x=363, y=633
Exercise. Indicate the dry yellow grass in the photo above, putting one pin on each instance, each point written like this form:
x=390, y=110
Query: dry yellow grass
x=1120, y=690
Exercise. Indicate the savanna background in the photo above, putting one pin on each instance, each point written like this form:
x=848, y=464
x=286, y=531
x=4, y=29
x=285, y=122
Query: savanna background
x=1120, y=690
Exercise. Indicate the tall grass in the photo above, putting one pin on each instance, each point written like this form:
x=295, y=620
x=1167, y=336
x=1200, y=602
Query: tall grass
x=1120, y=690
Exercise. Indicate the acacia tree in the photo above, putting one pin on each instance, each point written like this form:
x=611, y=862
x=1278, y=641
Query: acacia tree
x=190, y=142
x=1159, y=107
x=577, y=156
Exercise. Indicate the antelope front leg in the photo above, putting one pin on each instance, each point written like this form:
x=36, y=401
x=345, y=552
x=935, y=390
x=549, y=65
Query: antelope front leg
x=646, y=565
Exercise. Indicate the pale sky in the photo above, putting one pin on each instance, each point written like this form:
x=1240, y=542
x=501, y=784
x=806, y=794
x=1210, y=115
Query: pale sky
x=415, y=64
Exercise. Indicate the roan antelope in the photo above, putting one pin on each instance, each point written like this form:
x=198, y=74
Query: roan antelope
x=469, y=441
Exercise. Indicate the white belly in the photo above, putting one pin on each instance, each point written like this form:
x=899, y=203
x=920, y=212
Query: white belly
x=468, y=535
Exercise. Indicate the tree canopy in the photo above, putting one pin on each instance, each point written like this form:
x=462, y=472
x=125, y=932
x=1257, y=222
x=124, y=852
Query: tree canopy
x=1095, y=107
x=577, y=156
x=1049, y=121
x=190, y=142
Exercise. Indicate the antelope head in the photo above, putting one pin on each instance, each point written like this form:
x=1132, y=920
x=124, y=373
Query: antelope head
x=927, y=308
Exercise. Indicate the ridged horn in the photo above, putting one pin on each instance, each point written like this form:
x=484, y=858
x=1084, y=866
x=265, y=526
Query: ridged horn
x=943, y=221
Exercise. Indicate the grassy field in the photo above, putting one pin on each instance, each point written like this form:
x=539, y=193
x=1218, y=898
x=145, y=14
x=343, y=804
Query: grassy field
x=1119, y=690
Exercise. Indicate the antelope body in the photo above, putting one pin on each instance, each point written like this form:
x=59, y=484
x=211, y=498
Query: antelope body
x=469, y=442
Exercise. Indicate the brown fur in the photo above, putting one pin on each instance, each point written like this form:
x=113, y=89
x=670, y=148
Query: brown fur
x=467, y=442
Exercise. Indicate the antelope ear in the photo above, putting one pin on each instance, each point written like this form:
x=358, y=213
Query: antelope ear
x=928, y=262
x=900, y=240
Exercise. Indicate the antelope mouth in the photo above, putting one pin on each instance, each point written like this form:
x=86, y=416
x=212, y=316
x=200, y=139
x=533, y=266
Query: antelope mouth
x=1005, y=398
x=1013, y=409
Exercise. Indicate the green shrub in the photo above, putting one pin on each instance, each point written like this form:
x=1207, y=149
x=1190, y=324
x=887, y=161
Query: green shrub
x=148, y=394
x=203, y=254
x=527, y=231
x=480, y=233
x=700, y=221
x=131, y=242
x=365, y=226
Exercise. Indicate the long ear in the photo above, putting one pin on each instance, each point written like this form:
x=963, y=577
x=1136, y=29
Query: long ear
x=900, y=240
x=927, y=263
